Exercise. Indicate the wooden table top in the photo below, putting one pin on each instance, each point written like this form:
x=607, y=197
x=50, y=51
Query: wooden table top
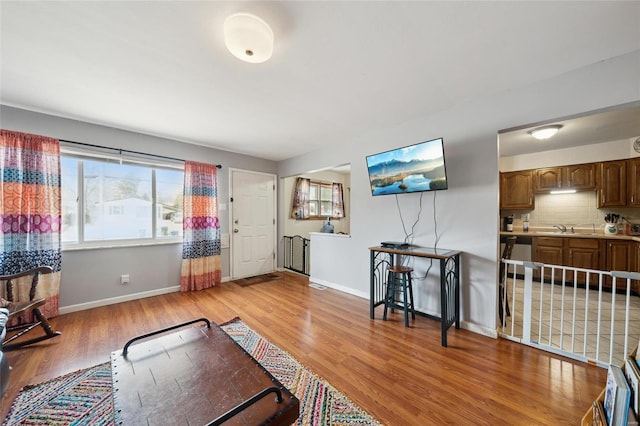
x=193, y=376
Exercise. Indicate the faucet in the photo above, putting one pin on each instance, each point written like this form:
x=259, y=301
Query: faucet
x=561, y=228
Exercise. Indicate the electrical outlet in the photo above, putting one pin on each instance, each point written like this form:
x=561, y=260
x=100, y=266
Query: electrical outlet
x=124, y=279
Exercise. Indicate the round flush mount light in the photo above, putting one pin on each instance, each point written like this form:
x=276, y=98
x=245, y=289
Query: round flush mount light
x=545, y=132
x=248, y=37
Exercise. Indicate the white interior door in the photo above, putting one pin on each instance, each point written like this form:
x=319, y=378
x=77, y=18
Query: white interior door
x=253, y=224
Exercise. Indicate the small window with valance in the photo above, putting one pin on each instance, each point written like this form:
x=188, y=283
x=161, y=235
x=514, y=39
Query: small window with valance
x=317, y=200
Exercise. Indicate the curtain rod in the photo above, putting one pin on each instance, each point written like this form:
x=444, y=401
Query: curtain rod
x=219, y=166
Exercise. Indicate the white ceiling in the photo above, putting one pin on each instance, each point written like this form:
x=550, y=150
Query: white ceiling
x=601, y=126
x=339, y=70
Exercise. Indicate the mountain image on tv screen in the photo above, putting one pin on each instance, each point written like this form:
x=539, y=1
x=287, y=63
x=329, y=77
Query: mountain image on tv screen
x=415, y=168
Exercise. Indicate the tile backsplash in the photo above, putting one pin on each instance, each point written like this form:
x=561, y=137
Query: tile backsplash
x=578, y=209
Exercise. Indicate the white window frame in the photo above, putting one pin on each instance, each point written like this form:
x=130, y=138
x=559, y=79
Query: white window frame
x=81, y=155
x=319, y=200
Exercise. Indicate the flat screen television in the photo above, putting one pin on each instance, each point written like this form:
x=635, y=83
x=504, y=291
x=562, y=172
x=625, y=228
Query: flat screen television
x=415, y=168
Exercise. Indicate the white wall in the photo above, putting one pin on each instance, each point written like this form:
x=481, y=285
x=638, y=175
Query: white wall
x=606, y=151
x=467, y=213
x=92, y=277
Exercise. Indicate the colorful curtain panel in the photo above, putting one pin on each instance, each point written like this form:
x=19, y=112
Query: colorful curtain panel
x=31, y=213
x=201, y=264
x=300, y=205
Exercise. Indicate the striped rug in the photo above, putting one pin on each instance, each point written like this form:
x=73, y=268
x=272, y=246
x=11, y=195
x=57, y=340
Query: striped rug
x=84, y=397
x=320, y=403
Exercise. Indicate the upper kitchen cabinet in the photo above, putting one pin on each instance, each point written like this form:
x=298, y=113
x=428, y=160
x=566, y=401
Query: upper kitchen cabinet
x=580, y=177
x=634, y=182
x=516, y=190
x=612, y=191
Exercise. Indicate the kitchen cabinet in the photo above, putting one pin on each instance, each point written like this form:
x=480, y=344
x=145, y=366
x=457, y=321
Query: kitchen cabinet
x=583, y=253
x=548, y=250
x=633, y=182
x=612, y=191
x=580, y=177
x=622, y=256
x=548, y=179
x=516, y=190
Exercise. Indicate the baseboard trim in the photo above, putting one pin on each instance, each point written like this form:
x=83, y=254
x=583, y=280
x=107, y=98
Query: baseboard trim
x=339, y=287
x=119, y=299
x=479, y=329
x=470, y=326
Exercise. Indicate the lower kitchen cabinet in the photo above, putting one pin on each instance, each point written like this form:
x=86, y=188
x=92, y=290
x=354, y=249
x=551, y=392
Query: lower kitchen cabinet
x=548, y=250
x=586, y=253
x=622, y=256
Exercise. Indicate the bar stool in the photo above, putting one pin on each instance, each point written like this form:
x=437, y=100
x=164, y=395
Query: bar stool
x=399, y=278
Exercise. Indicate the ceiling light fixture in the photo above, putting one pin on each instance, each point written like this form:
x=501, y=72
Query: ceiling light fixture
x=545, y=132
x=248, y=37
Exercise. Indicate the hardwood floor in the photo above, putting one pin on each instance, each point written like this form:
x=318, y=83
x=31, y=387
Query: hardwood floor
x=401, y=376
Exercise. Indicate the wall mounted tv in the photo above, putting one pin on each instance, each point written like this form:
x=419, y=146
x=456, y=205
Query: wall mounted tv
x=414, y=168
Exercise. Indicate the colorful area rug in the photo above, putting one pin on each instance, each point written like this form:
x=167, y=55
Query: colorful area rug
x=320, y=403
x=244, y=282
x=85, y=397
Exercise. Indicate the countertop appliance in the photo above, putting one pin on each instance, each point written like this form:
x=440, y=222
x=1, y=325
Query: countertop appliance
x=611, y=220
x=633, y=228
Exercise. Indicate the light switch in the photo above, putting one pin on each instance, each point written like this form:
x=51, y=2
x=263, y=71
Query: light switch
x=224, y=240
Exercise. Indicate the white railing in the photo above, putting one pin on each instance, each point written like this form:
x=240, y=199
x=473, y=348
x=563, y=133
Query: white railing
x=572, y=312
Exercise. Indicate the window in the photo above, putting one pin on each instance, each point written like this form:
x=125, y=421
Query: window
x=316, y=200
x=320, y=199
x=107, y=200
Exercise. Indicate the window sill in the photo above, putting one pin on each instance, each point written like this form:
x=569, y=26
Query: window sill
x=113, y=245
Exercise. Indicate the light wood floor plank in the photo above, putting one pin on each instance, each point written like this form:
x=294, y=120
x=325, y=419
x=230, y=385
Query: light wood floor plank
x=400, y=375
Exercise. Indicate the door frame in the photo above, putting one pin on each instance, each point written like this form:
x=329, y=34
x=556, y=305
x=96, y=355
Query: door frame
x=274, y=177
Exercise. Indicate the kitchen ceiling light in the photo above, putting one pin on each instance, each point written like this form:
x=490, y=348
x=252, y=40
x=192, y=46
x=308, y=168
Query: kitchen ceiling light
x=248, y=37
x=545, y=132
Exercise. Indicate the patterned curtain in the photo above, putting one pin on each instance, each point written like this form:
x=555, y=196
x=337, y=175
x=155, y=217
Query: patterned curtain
x=300, y=207
x=337, y=200
x=201, y=264
x=31, y=214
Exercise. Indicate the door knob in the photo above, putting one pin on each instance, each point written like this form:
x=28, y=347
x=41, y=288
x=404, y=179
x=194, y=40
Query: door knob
x=235, y=221
x=235, y=231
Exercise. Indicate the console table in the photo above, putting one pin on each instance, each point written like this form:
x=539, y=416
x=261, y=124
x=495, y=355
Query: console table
x=383, y=257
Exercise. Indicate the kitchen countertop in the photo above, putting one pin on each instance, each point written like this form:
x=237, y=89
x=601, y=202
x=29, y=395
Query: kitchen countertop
x=577, y=234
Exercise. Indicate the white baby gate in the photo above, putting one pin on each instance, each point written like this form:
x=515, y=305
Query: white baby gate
x=572, y=312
